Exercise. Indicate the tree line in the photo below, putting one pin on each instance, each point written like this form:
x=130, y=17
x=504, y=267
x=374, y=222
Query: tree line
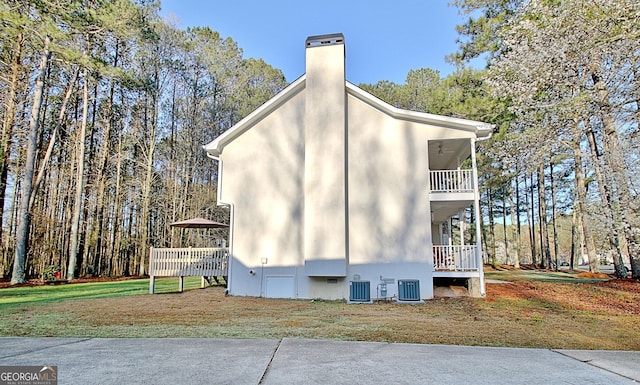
x=105, y=108
x=568, y=75
x=562, y=85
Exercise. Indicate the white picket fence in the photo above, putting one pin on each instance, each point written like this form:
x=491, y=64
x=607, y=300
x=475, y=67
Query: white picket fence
x=202, y=262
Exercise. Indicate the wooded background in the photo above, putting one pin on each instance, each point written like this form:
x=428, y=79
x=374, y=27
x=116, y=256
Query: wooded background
x=105, y=108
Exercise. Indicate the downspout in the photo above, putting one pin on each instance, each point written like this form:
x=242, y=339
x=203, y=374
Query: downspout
x=476, y=209
x=231, y=216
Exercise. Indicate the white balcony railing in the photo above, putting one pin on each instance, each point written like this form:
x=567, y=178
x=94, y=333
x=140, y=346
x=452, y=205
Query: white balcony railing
x=451, y=181
x=454, y=258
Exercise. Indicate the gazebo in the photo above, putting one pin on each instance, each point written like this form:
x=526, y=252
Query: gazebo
x=206, y=262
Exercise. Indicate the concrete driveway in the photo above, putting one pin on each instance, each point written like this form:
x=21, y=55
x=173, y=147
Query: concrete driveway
x=297, y=361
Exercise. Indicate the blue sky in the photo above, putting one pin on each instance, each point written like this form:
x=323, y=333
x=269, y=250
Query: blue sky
x=384, y=39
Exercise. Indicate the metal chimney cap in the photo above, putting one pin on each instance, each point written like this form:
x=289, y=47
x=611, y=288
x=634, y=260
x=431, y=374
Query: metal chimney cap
x=329, y=39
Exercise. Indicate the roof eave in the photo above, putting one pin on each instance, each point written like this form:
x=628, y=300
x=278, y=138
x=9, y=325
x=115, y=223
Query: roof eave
x=215, y=147
x=481, y=129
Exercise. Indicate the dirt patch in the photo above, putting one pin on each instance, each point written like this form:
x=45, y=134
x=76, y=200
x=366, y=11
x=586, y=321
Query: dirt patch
x=592, y=275
x=620, y=296
x=450, y=291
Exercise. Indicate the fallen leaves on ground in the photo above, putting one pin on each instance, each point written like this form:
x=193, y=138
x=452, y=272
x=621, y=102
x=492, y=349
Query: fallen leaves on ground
x=597, y=315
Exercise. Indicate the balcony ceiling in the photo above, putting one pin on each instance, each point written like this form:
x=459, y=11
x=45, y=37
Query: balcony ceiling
x=448, y=154
x=442, y=211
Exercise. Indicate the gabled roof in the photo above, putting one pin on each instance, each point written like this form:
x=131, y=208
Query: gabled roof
x=481, y=129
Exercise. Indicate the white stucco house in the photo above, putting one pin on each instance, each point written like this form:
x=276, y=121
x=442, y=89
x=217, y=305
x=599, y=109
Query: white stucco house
x=336, y=194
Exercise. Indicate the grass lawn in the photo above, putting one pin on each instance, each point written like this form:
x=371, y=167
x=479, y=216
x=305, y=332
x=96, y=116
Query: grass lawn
x=529, y=309
x=48, y=294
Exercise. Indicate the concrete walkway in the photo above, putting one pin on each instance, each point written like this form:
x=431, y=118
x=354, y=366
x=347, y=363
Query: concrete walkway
x=295, y=361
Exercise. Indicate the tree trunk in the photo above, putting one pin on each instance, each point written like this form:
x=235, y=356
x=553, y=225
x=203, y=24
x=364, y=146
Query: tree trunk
x=553, y=217
x=8, y=121
x=148, y=183
x=115, y=265
x=78, y=201
x=515, y=228
x=574, y=235
x=22, y=232
x=504, y=225
x=102, y=163
x=146, y=208
x=518, y=226
x=531, y=220
x=175, y=197
x=492, y=232
x=611, y=226
x=582, y=197
x=542, y=205
x=54, y=134
x=615, y=159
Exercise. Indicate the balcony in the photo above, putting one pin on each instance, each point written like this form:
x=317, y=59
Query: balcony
x=451, y=181
x=454, y=258
x=450, y=191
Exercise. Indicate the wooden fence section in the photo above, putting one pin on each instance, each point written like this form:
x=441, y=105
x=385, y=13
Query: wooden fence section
x=202, y=262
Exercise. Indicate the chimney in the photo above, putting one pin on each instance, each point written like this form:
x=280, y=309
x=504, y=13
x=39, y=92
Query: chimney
x=325, y=182
x=325, y=56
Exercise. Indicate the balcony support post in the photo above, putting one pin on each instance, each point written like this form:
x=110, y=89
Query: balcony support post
x=478, y=216
x=463, y=222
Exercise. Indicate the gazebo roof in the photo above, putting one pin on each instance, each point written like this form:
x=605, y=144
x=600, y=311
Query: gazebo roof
x=199, y=223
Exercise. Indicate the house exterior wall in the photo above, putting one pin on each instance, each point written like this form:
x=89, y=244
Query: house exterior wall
x=387, y=221
x=262, y=176
x=329, y=185
x=389, y=224
x=389, y=209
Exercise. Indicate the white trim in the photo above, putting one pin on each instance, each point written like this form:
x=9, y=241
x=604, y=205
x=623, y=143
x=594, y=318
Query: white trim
x=478, y=216
x=215, y=147
x=481, y=129
x=456, y=274
x=221, y=203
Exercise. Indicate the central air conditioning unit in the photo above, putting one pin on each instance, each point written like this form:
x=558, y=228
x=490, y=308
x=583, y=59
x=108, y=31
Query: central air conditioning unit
x=360, y=292
x=409, y=290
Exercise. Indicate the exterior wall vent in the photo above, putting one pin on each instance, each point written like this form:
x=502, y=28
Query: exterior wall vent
x=360, y=292
x=408, y=290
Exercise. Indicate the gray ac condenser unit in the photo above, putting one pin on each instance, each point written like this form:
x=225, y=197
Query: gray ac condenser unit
x=360, y=291
x=408, y=290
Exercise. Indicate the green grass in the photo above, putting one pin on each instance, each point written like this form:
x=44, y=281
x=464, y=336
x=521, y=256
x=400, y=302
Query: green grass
x=41, y=295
